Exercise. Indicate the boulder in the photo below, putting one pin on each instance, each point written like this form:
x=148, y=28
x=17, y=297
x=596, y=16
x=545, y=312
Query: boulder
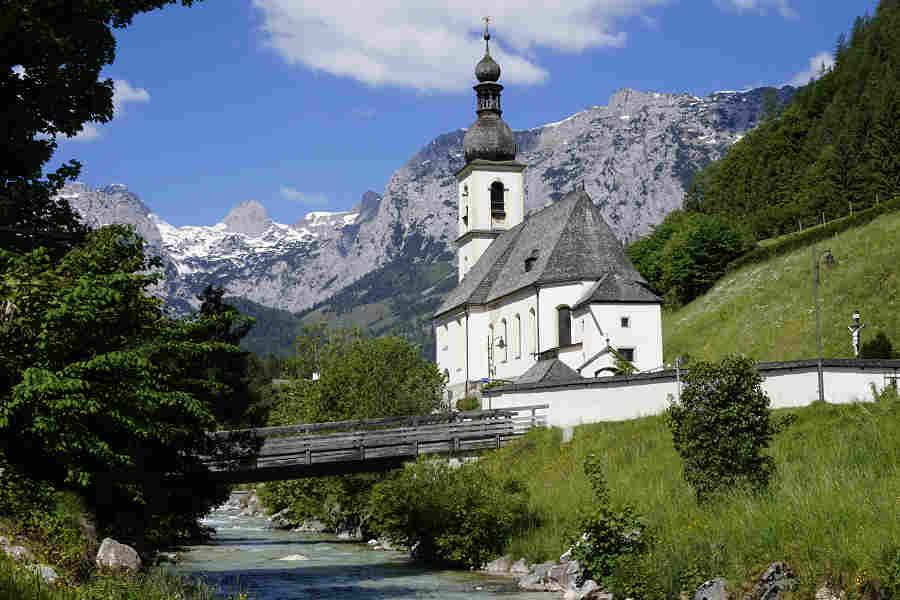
x=113, y=555
x=311, y=526
x=564, y=576
x=4, y=541
x=250, y=505
x=714, y=589
x=520, y=567
x=499, y=566
x=590, y=590
x=46, y=572
x=279, y=520
x=532, y=583
x=18, y=553
x=777, y=579
x=826, y=593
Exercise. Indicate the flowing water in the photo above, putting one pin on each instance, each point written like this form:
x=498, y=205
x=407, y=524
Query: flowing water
x=269, y=564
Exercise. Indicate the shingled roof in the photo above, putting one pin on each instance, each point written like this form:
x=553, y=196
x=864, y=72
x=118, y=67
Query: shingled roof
x=550, y=370
x=568, y=241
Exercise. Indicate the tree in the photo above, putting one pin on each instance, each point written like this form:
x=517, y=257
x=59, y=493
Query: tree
x=721, y=427
x=102, y=393
x=686, y=254
x=357, y=377
x=51, y=55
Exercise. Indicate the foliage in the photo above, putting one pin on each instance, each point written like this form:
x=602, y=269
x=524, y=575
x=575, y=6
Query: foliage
x=838, y=142
x=809, y=236
x=878, y=347
x=622, y=366
x=52, y=55
x=837, y=478
x=108, y=396
x=686, y=254
x=358, y=377
x=766, y=309
x=606, y=536
x=468, y=403
x=721, y=427
x=457, y=516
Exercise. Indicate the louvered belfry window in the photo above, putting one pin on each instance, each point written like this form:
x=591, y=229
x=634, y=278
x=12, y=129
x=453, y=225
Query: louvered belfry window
x=498, y=206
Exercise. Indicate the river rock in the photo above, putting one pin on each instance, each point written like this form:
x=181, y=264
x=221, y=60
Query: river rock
x=311, y=526
x=498, y=566
x=564, y=576
x=714, y=589
x=775, y=580
x=355, y=534
x=114, y=555
x=294, y=557
x=46, y=572
x=520, y=567
x=250, y=505
x=18, y=553
x=826, y=593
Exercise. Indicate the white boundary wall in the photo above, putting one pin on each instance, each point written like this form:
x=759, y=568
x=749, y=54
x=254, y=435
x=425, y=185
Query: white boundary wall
x=621, y=398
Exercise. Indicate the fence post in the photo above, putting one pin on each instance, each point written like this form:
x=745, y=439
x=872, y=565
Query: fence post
x=533, y=418
x=308, y=456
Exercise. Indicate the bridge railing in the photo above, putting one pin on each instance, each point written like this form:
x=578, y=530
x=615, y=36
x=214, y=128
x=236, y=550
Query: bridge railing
x=523, y=418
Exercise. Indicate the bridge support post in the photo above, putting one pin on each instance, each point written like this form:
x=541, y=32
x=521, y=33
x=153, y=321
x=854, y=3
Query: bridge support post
x=498, y=441
x=416, y=448
x=308, y=456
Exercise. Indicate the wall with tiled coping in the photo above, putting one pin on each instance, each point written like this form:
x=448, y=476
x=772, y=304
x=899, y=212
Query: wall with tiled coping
x=788, y=384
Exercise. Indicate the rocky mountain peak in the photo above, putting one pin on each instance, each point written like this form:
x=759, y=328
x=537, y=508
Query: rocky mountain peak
x=249, y=217
x=367, y=207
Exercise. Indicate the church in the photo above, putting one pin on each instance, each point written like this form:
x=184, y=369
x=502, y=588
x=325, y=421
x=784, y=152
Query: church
x=549, y=295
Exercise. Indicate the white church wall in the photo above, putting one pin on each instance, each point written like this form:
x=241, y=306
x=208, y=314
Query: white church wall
x=624, y=398
x=643, y=333
x=518, y=355
x=552, y=297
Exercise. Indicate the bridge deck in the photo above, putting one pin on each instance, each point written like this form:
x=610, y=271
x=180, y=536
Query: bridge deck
x=371, y=445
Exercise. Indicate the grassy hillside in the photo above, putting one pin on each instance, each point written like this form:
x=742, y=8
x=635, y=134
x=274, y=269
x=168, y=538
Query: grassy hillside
x=766, y=311
x=831, y=512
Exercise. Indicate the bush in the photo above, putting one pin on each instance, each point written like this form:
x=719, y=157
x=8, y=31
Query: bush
x=878, y=347
x=468, y=403
x=607, y=540
x=721, y=426
x=460, y=517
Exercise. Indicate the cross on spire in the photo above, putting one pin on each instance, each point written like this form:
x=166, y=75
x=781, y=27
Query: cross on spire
x=487, y=35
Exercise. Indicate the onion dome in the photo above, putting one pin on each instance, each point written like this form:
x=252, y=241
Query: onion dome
x=487, y=69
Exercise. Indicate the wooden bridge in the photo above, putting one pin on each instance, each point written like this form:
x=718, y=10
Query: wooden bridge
x=341, y=447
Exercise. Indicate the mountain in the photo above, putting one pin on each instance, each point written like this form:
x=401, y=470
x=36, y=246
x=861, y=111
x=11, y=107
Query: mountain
x=635, y=156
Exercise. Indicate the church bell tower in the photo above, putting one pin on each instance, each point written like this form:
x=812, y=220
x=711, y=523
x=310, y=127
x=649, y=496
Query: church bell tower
x=492, y=184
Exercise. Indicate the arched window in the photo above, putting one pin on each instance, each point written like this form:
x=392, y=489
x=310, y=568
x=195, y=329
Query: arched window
x=564, y=325
x=532, y=332
x=504, y=332
x=498, y=206
x=518, y=334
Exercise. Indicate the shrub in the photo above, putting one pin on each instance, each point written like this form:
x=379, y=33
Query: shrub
x=607, y=540
x=460, y=517
x=721, y=426
x=468, y=403
x=878, y=347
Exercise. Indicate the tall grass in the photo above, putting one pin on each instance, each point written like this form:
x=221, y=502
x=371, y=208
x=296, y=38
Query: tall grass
x=767, y=309
x=20, y=583
x=831, y=511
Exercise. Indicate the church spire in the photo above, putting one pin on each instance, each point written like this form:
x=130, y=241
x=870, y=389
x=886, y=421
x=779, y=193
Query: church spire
x=489, y=138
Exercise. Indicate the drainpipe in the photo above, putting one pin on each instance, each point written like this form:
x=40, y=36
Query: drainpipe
x=537, y=324
x=466, y=386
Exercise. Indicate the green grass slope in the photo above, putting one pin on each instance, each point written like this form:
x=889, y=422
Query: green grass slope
x=766, y=310
x=831, y=512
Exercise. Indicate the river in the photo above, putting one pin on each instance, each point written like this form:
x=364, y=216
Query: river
x=270, y=564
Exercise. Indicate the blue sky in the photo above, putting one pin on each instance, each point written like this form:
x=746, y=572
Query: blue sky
x=306, y=104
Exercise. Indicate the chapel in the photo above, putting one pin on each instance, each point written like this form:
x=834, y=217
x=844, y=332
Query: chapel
x=544, y=297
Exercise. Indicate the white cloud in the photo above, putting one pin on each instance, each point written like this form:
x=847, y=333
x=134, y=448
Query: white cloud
x=123, y=93
x=89, y=132
x=295, y=195
x=435, y=46
x=823, y=61
x=762, y=7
